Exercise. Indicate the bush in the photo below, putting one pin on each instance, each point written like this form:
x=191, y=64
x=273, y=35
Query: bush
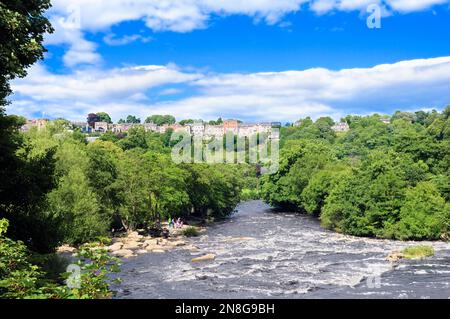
x=418, y=252
x=21, y=279
x=190, y=232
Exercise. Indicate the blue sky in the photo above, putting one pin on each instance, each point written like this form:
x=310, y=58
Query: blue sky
x=257, y=61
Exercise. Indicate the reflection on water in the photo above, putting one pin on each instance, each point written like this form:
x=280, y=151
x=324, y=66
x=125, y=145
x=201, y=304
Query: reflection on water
x=284, y=255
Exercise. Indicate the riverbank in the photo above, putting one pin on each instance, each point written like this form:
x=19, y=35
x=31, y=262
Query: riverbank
x=131, y=244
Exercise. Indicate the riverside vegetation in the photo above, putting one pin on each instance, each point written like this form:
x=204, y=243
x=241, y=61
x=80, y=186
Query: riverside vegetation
x=387, y=180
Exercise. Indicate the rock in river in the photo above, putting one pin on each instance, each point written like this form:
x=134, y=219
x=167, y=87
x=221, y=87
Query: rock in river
x=115, y=247
x=124, y=253
x=204, y=258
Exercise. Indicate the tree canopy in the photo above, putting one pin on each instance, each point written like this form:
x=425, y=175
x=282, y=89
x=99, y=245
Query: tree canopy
x=379, y=180
x=161, y=119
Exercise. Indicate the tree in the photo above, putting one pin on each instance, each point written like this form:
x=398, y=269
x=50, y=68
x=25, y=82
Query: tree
x=131, y=119
x=161, y=119
x=218, y=122
x=102, y=172
x=150, y=187
x=299, y=160
x=92, y=119
x=22, y=29
x=74, y=201
x=136, y=138
x=25, y=177
x=320, y=186
x=423, y=215
x=104, y=117
x=187, y=121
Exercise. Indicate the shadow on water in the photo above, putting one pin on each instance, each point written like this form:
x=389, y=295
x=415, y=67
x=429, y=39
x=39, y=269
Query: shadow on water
x=263, y=254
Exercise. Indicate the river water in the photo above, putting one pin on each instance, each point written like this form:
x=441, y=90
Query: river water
x=285, y=256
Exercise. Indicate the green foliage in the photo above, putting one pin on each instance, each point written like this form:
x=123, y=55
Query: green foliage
x=104, y=117
x=21, y=279
x=73, y=200
x=22, y=29
x=299, y=160
x=250, y=194
x=190, y=232
x=27, y=176
x=214, y=190
x=423, y=215
x=136, y=138
x=131, y=119
x=150, y=187
x=418, y=252
x=95, y=278
x=161, y=119
x=320, y=185
x=381, y=180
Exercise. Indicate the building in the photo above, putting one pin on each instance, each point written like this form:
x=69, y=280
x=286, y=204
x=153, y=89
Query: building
x=341, y=127
x=197, y=129
x=101, y=127
x=180, y=128
x=231, y=126
x=386, y=120
x=122, y=128
x=39, y=124
x=150, y=127
x=264, y=128
x=247, y=130
x=213, y=130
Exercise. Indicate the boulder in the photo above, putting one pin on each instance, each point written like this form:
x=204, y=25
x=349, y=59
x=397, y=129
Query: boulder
x=158, y=251
x=152, y=247
x=232, y=240
x=115, y=247
x=134, y=235
x=395, y=256
x=141, y=251
x=192, y=248
x=177, y=243
x=123, y=253
x=132, y=245
x=150, y=242
x=204, y=258
x=66, y=249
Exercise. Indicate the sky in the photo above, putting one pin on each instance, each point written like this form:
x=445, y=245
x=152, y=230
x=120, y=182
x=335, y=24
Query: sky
x=254, y=60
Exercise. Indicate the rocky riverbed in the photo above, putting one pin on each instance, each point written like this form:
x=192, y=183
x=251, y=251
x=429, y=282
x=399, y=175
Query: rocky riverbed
x=262, y=254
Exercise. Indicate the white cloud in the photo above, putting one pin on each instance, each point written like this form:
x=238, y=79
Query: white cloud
x=270, y=96
x=96, y=85
x=414, y=5
x=183, y=16
x=112, y=39
x=80, y=51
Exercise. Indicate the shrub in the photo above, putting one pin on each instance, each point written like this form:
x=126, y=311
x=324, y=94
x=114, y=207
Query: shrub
x=190, y=232
x=418, y=252
x=21, y=279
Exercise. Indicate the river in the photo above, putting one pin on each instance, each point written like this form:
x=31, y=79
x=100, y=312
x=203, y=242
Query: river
x=286, y=256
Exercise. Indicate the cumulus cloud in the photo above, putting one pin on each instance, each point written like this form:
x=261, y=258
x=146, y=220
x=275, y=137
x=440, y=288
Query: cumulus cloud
x=268, y=96
x=73, y=18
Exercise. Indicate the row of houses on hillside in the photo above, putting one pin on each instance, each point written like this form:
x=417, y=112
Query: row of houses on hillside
x=38, y=123
x=199, y=129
